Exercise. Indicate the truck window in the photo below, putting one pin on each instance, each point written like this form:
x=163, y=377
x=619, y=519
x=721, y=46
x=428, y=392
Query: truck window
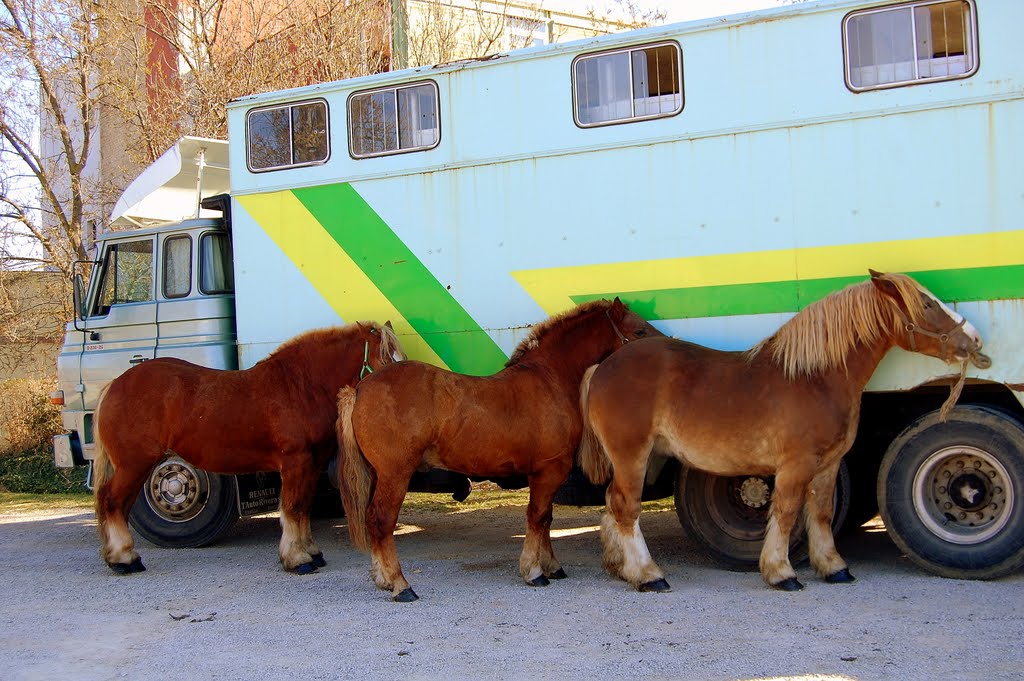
x=393, y=120
x=627, y=85
x=215, y=273
x=911, y=43
x=290, y=136
x=127, y=275
x=177, y=266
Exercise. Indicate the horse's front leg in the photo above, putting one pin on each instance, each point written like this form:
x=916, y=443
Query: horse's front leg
x=537, y=563
x=381, y=520
x=818, y=512
x=787, y=499
x=299, y=553
x=625, y=551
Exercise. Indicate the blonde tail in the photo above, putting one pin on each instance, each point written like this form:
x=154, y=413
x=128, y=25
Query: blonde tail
x=102, y=469
x=356, y=477
x=591, y=456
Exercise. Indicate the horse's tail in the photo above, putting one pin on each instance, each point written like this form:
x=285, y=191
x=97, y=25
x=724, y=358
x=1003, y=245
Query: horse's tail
x=102, y=467
x=591, y=456
x=356, y=477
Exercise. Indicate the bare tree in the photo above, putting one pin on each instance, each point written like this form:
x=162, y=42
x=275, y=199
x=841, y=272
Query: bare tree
x=47, y=51
x=193, y=56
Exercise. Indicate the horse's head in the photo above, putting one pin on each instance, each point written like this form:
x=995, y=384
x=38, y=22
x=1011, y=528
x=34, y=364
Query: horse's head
x=928, y=325
x=629, y=325
x=381, y=346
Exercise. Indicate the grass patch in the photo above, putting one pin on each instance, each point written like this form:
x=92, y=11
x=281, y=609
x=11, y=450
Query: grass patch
x=484, y=498
x=16, y=502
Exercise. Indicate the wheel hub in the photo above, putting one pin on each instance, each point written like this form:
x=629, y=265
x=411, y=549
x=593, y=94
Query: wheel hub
x=963, y=495
x=754, y=492
x=176, y=490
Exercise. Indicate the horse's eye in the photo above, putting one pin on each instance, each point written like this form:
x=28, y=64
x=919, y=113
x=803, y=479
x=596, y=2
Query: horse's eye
x=641, y=333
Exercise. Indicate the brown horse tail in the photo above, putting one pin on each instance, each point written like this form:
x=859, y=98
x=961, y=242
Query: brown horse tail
x=102, y=468
x=357, y=478
x=591, y=456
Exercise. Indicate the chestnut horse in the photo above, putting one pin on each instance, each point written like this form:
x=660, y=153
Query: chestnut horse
x=278, y=415
x=524, y=420
x=788, y=407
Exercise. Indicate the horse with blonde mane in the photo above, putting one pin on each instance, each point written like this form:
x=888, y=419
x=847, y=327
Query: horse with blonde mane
x=524, y=420
x=788, y=407
x=278, y=415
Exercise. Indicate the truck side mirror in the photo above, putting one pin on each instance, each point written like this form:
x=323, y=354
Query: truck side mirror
x=78, y=296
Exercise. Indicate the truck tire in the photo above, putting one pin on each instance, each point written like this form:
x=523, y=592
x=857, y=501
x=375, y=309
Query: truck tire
x=182, y=506
x=729, y=515
x=952, y=494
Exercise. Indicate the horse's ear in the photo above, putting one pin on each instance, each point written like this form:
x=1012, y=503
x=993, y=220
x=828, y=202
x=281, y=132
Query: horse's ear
x=886, y=285
x=618, y=306
x=388, y=324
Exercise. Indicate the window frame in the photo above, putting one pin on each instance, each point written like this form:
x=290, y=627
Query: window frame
x=628, y=50
x=203, y=263
x=971, y=37
x=394, y=89
x=291, y=136
x=163, y=266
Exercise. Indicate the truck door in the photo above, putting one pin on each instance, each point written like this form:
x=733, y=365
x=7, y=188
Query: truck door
x=120, y=325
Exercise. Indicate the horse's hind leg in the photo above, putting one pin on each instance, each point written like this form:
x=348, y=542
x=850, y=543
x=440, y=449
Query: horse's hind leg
x=381, y=519
x=537, y=563
x=114, y=500
x=625, y=551
x=297, y=550
x=818, y=512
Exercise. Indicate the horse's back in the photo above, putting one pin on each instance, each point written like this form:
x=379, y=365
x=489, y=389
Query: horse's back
x=478, y=425
x=724, y=412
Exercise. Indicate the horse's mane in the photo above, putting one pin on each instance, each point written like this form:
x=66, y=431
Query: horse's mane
x=821, y=336
x=542, y=328
x=389, y=345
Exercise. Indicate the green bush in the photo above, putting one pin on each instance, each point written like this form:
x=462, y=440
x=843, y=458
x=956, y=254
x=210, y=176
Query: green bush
x=28, y=423
x=33, y=472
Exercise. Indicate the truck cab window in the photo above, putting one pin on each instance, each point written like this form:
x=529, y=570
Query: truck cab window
x=127, y=275
x=215, y=273
x=177, y=266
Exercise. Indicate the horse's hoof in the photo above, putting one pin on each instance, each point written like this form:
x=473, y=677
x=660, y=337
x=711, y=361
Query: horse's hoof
x=657, y=585
x=128, y=568
x=304, y=569
x=557, y=574
x=790, y=584
x=840, y=577
x=318, y=560
x=407, y=595
x=539, y=581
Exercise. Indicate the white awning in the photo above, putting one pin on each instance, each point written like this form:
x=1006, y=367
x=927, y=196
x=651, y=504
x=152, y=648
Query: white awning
x=170, y=188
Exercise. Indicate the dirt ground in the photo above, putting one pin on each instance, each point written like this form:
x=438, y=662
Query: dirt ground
x=229, y=612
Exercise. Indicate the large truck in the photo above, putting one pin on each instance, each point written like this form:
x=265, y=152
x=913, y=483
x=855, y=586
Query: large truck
x=716, y=175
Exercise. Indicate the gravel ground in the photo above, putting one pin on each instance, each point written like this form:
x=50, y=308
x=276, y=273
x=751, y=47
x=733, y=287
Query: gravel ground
x=229, y=612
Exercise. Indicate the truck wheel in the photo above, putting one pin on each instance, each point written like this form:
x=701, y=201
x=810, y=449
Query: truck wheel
x=729, y=515
x=952, y=494
x=182, y=506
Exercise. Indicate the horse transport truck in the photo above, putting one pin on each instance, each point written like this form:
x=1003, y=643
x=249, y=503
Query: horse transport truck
x=716, y=175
